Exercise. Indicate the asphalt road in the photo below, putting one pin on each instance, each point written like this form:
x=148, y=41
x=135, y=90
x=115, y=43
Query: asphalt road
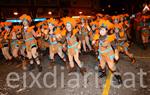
x=75, y=83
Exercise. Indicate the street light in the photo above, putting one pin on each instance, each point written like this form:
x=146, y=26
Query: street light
x=15, y=13
x=80, y=13
x=123, y=9
x=109, y=6
x=49, y=12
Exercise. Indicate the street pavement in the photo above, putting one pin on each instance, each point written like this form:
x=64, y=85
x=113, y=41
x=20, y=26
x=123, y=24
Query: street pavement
x=66, y=84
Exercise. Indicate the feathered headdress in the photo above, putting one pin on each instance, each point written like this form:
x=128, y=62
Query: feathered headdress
x=25, y=17
x=78, y=20
x=106, y=17
x=105, y=23
x=99, y=15
x=57, y=31
x=7, y=23
x=119, y=26
x=111, y=37
x=16, y=28
x=115, y=17
x=45, y=26
x=63, y=32
x=75, y=31
x=60, y=24
x=1, y=24
x=30, y=28
x=96, y=36
x=69, y=20
x=52, y=21
x=126, y=15
x=39, y=24
x=121, y=15
x=94, y=23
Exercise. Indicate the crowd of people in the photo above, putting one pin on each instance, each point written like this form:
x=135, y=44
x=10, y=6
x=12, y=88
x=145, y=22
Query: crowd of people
x=103, y=35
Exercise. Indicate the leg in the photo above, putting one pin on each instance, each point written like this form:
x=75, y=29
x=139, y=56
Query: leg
x=84, y=45
x=51, y=54
x=7, y=53
x=15, y=52
x=71, y=60
x=110, y=62
x=61, y=54
x=35, y=56
x=88, y=43
x=22, y=51
x=4, y=53
x=112, y=67
x=130, y=55
x=102, y=64
x=144, y=41
x=116, y=55
x=51, y=58
x=23, y=57
x=29, y=56
x=76, y=58
x=71, y=63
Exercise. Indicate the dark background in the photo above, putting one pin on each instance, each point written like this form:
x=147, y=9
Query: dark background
x=59, y=8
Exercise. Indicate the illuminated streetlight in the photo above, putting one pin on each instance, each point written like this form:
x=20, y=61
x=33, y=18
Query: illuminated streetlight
x=123, y=9
x=15, y=13
x=109, y=6
x=80, y=13
x=49, y=12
